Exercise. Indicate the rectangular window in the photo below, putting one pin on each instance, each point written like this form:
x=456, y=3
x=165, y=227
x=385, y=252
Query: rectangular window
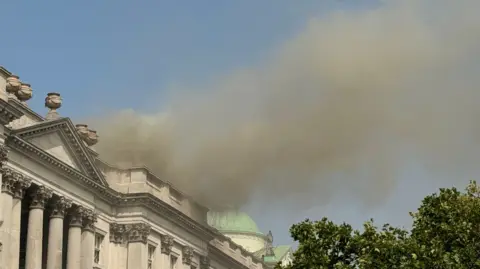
x=98, y=248
x=151, y=256
x=173, y=262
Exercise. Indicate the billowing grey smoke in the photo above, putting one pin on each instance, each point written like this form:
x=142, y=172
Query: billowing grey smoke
x=341, y=106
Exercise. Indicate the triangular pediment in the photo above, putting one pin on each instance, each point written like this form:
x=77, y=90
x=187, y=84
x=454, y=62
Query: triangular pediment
x=55, y=144
x=59, y=139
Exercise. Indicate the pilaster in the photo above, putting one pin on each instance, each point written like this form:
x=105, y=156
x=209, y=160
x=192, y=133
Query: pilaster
x=137, y=236
x=88, y=239
x=166, y=249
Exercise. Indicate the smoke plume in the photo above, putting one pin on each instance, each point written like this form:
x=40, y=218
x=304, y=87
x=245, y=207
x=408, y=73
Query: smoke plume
x=339, y=108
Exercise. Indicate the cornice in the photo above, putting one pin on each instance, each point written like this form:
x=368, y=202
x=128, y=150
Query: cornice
x=25, y=110
x=4, y=71
x=8, y=112
x=220, y=255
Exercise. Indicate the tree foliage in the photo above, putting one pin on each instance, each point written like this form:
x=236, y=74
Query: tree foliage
x=445, y=234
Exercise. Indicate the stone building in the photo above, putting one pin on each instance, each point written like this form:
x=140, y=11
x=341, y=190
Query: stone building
x=63, y=207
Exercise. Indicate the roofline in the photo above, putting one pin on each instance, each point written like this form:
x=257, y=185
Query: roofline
x=4, y=71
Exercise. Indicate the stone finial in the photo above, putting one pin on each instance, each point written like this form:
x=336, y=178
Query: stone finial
x=13, y=85
x=53, y=101
x=25, y=93
x=90, y=137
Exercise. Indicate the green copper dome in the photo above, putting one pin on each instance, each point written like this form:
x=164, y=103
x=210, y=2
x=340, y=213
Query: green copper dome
x=232, y=222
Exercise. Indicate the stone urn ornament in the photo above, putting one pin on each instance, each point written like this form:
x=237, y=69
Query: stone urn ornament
x=13, y=85
x=53, y=101
x=92, y=138
x=25, y=93
x=82, y=130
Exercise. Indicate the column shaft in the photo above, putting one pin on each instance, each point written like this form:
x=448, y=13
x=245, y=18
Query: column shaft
x=87, y=249
x=18, y=194
x=35, y=227
x=74, y=250
x=55, y=234
x=15, y=243
x=5, y=229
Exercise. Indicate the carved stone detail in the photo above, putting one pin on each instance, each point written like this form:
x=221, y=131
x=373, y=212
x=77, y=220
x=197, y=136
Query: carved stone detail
x=89, y=219
x=204, y=262
x=76, y=216
x=117, y=233
x=9, y=180
x=21, y=122
x=166, y=244
x=187, y=255
x=21, y=186
x=40, y=196
x=137, y=232
x=3, y=155
x=60, y=206
x=53, y=101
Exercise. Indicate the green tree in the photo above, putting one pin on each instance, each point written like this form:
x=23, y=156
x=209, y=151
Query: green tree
x=445, y=234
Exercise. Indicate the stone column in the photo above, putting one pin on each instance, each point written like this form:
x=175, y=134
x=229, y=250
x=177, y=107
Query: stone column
x=204, y=262
x=40, y=195
x=187, y=256
x=18, y=194
x=137, y=235
x=10, y=178
x=74, y=238
x=166, y=249
x=55, y=235
x=88, y=239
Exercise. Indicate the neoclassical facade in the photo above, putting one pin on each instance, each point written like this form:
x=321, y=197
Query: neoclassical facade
x=61, y=206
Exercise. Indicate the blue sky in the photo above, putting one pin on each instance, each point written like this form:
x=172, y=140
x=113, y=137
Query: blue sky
x=103, y=55
x=98, y=54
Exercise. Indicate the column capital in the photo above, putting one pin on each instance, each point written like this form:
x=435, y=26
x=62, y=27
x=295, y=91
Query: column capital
x=9, y=179
x=204, y=262
x=166, y=243
x=21, y=186
x=187, y=255
x=76, y=216
x=89, y=219
x=40, y=195
x=138, y=232
x=117, y=233
x=59, y=206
